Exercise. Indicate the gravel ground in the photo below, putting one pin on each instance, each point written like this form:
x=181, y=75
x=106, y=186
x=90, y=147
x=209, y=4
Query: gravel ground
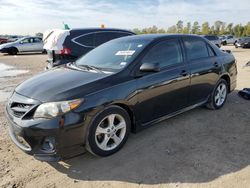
x=200, y=148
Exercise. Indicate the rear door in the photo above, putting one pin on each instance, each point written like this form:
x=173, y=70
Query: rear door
x=166, y=91
x=37, y=44
x=204, y=66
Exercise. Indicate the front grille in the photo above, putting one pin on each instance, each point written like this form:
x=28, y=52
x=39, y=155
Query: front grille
x=20, y=106
x=20, y=109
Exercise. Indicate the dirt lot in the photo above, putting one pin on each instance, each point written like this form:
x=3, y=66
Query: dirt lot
x=200, y=148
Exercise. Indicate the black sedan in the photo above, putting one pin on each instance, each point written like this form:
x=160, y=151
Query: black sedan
x=120, y=87
x=243, y=43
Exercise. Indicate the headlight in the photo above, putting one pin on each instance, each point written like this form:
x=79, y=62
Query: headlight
x=53, y=109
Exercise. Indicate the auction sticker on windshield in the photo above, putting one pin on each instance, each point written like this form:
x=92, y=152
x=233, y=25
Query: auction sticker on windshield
x=125, y=52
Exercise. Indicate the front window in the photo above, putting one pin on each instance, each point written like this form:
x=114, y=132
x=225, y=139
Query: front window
x=113, y=56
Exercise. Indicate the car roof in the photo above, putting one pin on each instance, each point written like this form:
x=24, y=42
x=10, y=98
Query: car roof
x=209, y=35
x=159, y=36
x=100, y=29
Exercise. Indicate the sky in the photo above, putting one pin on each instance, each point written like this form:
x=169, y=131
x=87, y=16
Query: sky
x=27, y=17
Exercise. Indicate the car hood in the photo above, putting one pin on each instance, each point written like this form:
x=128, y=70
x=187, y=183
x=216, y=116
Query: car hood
x=61, y=84
x=6, y=45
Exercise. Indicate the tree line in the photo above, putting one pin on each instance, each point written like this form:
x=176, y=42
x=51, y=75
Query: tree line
x=218, y=28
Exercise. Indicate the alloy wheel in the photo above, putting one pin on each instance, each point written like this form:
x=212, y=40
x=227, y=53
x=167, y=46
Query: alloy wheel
x=220, y=95
x=110, y=132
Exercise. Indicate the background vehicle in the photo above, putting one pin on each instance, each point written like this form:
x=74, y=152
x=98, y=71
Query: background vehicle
x=3, y=40
x=243, y=43
x=25, y=44
x=65, y=46
x=214, y=39
x=228, y=39
x=125, y=84
x=13, y=38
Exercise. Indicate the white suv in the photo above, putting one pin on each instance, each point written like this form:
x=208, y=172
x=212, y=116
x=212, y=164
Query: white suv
x=25, y=44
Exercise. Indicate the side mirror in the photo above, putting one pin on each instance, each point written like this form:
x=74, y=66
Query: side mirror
x=150, y=67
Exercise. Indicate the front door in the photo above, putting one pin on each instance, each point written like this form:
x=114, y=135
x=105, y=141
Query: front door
x=166, y=91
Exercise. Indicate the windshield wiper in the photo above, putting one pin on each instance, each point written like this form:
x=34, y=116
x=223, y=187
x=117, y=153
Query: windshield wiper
x=90, y=67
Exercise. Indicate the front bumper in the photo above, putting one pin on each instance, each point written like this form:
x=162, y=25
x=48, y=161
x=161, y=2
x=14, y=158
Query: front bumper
x=33, y=135
x=4, y=50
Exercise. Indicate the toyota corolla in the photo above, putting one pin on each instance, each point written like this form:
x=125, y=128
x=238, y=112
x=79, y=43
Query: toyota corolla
x=120, y=87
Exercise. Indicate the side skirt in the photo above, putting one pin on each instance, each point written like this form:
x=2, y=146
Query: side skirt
x=173, y=114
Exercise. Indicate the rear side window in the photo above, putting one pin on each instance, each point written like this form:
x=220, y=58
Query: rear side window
x=196, y=48
x=102, y=37
x=122, y=34
x=37, y=40
x=85, y=40
x=165, y=53
x=210, y=51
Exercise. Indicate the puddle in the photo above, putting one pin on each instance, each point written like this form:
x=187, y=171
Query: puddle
x=10, y=71
x=6, y=72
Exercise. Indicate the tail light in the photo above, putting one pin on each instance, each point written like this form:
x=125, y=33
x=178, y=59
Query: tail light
x=65, y=51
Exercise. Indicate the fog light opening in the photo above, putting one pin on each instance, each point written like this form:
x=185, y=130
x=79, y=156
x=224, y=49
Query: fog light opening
x=49, y=145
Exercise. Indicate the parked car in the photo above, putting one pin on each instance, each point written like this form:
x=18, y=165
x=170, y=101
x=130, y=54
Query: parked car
x=214, y=39
x=121, y=86
x=243, y=43
x=65, y=46
x=25, y=44
x=3, y=40
x=228, y=39
x=13, y=38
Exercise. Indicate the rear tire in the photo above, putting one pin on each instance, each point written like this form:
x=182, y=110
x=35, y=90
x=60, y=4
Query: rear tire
x=218, y=96
x=108, y=131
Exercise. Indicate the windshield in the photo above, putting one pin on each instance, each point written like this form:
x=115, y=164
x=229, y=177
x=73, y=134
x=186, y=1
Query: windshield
x=114, y=55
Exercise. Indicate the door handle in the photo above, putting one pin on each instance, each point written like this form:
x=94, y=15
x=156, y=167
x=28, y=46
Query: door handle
x=216, y=64
x=184, y=73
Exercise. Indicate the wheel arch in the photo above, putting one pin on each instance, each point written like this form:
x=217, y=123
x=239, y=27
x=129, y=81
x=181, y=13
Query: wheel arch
x=131, y=115
x=13, y=48
x=228, y=80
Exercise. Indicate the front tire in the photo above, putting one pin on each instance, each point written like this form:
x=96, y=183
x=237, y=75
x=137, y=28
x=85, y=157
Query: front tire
x=12, y=51
x=108, y=131
x=219, y=95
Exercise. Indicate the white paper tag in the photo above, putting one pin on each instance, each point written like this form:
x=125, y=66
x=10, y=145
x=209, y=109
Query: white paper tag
x=123, y=64
x=125, y=52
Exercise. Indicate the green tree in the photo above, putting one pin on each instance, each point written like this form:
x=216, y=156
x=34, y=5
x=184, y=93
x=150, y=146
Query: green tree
x=217, y=27
x=161, y=30
x=248, y=29
x=187, y=29
x=205, y=29
x=229, y=29
x=172, y=29
x=179, y=26
x=136, y=31
x=196, y=28
x=223, y=29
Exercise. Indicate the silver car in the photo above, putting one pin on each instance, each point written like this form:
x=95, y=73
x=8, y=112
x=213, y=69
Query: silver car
x=25, y=44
